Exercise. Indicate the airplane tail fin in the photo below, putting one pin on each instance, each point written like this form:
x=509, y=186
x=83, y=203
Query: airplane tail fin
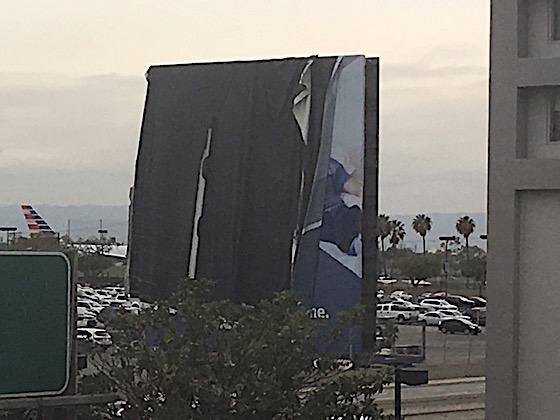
x=35, y=223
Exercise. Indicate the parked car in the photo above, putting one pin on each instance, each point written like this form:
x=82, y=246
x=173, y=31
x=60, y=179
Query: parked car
x=479, y=302
x=431, y=317
x=395, y=311
x=135, y=303
x=458, y=325
x=383, y=279
x=423, y=296
x=94, y=335
x=435, y=304
x=417, y=282
x=451, y=313
x=84, y=321
x=114, y=290
x=407, y=304
x=81, y=310
x=401, y=294
x=478, y=316
x=89, y=305
x=460, y=301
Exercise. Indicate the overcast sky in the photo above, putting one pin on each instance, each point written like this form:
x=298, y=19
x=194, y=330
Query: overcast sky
x=72, y=87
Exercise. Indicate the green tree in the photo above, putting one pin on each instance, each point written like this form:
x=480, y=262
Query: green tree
x=420, y=267
x=475, y=267
x=383, y=229
x=465, y=226
x=219, y=360
x=91, y=254
x=422, y=225
x=398, y=232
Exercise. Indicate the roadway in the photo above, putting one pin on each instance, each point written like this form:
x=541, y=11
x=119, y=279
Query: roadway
x=452, y=399
x=449, y=356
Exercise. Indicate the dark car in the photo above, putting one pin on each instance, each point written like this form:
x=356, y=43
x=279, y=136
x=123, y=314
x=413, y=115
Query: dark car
x=458, y=325
x=460, y=302
x=478, y=316
x=423, y=296
x=478, y=301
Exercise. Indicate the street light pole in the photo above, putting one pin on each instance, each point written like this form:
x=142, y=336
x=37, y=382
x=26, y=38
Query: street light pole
x=446, y=263
x=397, y=391
x=7, y=229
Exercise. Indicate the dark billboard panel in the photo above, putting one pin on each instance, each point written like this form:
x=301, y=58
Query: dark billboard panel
x=251, y=174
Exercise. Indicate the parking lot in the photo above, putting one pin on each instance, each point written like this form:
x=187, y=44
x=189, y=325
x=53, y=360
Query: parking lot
x=445, y=348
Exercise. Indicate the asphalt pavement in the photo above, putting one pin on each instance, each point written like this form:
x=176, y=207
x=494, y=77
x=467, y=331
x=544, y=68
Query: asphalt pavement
x=461, y=398
x=441, y=349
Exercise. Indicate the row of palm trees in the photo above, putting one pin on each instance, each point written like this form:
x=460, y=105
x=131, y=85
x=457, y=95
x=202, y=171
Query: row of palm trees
x=395, y=230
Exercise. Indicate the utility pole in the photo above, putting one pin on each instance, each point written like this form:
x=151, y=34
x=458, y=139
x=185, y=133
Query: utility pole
x=447, y=239
x=102, y=232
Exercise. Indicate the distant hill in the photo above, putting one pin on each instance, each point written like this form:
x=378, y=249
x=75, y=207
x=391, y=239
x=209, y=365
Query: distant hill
x=85, y=221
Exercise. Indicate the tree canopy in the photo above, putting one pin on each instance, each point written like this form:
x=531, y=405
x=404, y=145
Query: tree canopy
x=195, y=358
x=422, y=225
x=420, y=267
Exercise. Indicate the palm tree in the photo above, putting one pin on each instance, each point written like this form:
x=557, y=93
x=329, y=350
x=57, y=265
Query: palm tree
x=422, y=225
x=383, y=229
x=465, y=226
x=397, y=232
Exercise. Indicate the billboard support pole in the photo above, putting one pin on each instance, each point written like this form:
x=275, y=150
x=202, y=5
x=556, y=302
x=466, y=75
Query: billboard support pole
x=370, y=204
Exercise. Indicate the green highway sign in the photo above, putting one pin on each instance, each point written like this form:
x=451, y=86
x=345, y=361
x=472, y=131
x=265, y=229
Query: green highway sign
x=35, y=323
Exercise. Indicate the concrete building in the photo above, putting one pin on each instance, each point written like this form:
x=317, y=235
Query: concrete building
x=523, y=348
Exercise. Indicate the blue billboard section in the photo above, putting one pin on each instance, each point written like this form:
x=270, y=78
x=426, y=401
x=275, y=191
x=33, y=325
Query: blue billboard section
x=328, y=259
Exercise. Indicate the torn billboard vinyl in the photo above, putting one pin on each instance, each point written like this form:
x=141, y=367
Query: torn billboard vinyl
x=249, y=173
x=328, y=264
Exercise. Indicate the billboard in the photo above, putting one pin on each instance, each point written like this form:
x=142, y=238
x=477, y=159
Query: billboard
x=328, y=262
x=251, y=174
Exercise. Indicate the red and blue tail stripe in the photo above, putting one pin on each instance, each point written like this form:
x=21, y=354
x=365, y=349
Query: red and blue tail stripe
x=35, y=223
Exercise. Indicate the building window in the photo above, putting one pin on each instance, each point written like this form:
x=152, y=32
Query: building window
x=555, y=19
x=555, y=120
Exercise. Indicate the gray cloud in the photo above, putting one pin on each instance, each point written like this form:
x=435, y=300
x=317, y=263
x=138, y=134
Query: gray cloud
x=68, y=140
x=80, y=123
x=413, y=73
x=61, y=185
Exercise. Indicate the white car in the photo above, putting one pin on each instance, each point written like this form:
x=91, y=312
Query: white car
x=114, y=290
x=85, y=321
x=136, y=303
x=432, y=317
x=94, y=335
x=436, y=304
x=417, y=282
x=81, y=310
x=90, y=305
x=451, y=313
x=408, y=304
x=401, y=294
x=386, y=280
